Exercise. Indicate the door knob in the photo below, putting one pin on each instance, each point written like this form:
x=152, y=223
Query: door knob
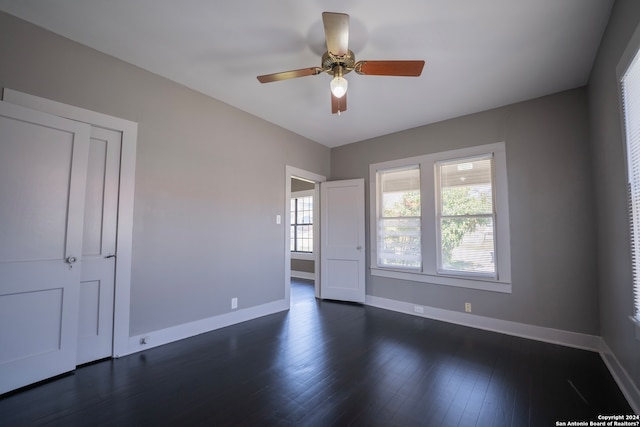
x=71, y=260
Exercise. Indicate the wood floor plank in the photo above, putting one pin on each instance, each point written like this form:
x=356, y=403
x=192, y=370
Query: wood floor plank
x=326, y=363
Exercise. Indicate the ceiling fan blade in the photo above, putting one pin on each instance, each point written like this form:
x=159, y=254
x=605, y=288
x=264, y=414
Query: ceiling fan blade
x=336, y=31
x=390, y=68
x=338, y=105
x=276, y=77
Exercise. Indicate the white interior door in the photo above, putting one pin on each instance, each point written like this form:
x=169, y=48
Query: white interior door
x=97, y=282
x=342, y=240
x=43, y=168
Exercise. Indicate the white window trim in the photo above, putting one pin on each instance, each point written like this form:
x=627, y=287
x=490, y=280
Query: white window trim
x=440, y=269
x=632, y=49
x=307, y=256
x=429, y=273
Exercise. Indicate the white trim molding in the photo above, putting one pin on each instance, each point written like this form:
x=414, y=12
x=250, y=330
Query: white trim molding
x=304, y=256
x=481, y=284
x=160, y=337
x=538, y=333
x=293, y=172
x=621, y=376
x=303, y=275
x=636, y=325
x=554, y=336
x=429, y=270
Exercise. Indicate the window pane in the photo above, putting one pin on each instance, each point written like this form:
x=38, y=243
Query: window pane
x=305, y=238
x=467, y=244
x=400, y=193
x=301, y=220
x=399, y=243
x=305, y=210
x=466, y=187
x=307, y=203
x=399, y=235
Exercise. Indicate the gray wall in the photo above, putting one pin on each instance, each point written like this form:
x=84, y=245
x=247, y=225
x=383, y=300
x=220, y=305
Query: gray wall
x=303, y=265
x=614, y=256
x=300, y=185
x=551, y=207
x=203, y=205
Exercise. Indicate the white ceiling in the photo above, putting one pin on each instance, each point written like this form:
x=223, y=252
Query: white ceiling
x=480, y=54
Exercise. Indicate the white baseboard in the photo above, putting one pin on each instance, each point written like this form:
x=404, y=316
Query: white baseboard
x=539, y=333
x=628, y=388
x=187, y=330
x=303, y=275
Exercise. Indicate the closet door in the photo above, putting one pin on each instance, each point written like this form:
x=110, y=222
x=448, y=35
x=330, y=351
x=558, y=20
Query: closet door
x=97, y=282
x=43, y=169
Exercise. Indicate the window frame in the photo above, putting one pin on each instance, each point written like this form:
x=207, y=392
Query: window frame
x=303, y=254
x=439, y=215
x=380, y=215
x=630, y=57
x=501, y=281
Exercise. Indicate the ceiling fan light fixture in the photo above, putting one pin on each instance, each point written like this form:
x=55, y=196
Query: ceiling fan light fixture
x=338, y=84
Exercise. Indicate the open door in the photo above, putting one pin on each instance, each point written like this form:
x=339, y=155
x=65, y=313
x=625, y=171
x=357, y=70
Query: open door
x=43, y=169
x=342, y=240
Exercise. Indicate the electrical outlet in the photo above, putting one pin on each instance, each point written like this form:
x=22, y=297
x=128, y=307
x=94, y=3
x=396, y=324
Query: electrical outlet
x=467, y=307
x=234, y=303
x=418, y=309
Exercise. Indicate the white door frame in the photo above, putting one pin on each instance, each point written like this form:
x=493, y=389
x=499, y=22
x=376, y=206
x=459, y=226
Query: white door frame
x=293, y=172
x=129, y=130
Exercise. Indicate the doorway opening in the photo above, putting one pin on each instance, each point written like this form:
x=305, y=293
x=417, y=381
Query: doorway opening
x=302, y=229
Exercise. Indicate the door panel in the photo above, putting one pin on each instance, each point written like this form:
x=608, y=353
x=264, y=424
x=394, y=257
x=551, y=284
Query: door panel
x=93, y=212
x=43, y=165
x=342, y=242
x=95, y=330
x=39, y=312
x=33, y=228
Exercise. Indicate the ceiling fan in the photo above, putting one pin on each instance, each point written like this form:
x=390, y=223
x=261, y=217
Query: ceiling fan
x=338, y=60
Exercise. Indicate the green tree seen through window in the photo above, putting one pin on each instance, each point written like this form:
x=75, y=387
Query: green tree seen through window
x=457, y=202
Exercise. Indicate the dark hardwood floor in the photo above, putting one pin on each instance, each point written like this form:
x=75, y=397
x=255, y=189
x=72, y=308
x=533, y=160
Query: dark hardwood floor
x=330, y=364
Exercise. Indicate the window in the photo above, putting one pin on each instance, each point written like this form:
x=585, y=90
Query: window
x=631, y=106
x=443, y=218
x=302, y=223
x=465, y=215
x=399, y=218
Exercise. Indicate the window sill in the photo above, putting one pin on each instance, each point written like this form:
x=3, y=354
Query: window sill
x=460, y=282
x=303, y=256
x=636, y=322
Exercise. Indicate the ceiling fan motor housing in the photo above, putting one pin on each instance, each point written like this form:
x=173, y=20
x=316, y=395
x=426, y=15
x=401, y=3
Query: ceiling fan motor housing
x=329, y=61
